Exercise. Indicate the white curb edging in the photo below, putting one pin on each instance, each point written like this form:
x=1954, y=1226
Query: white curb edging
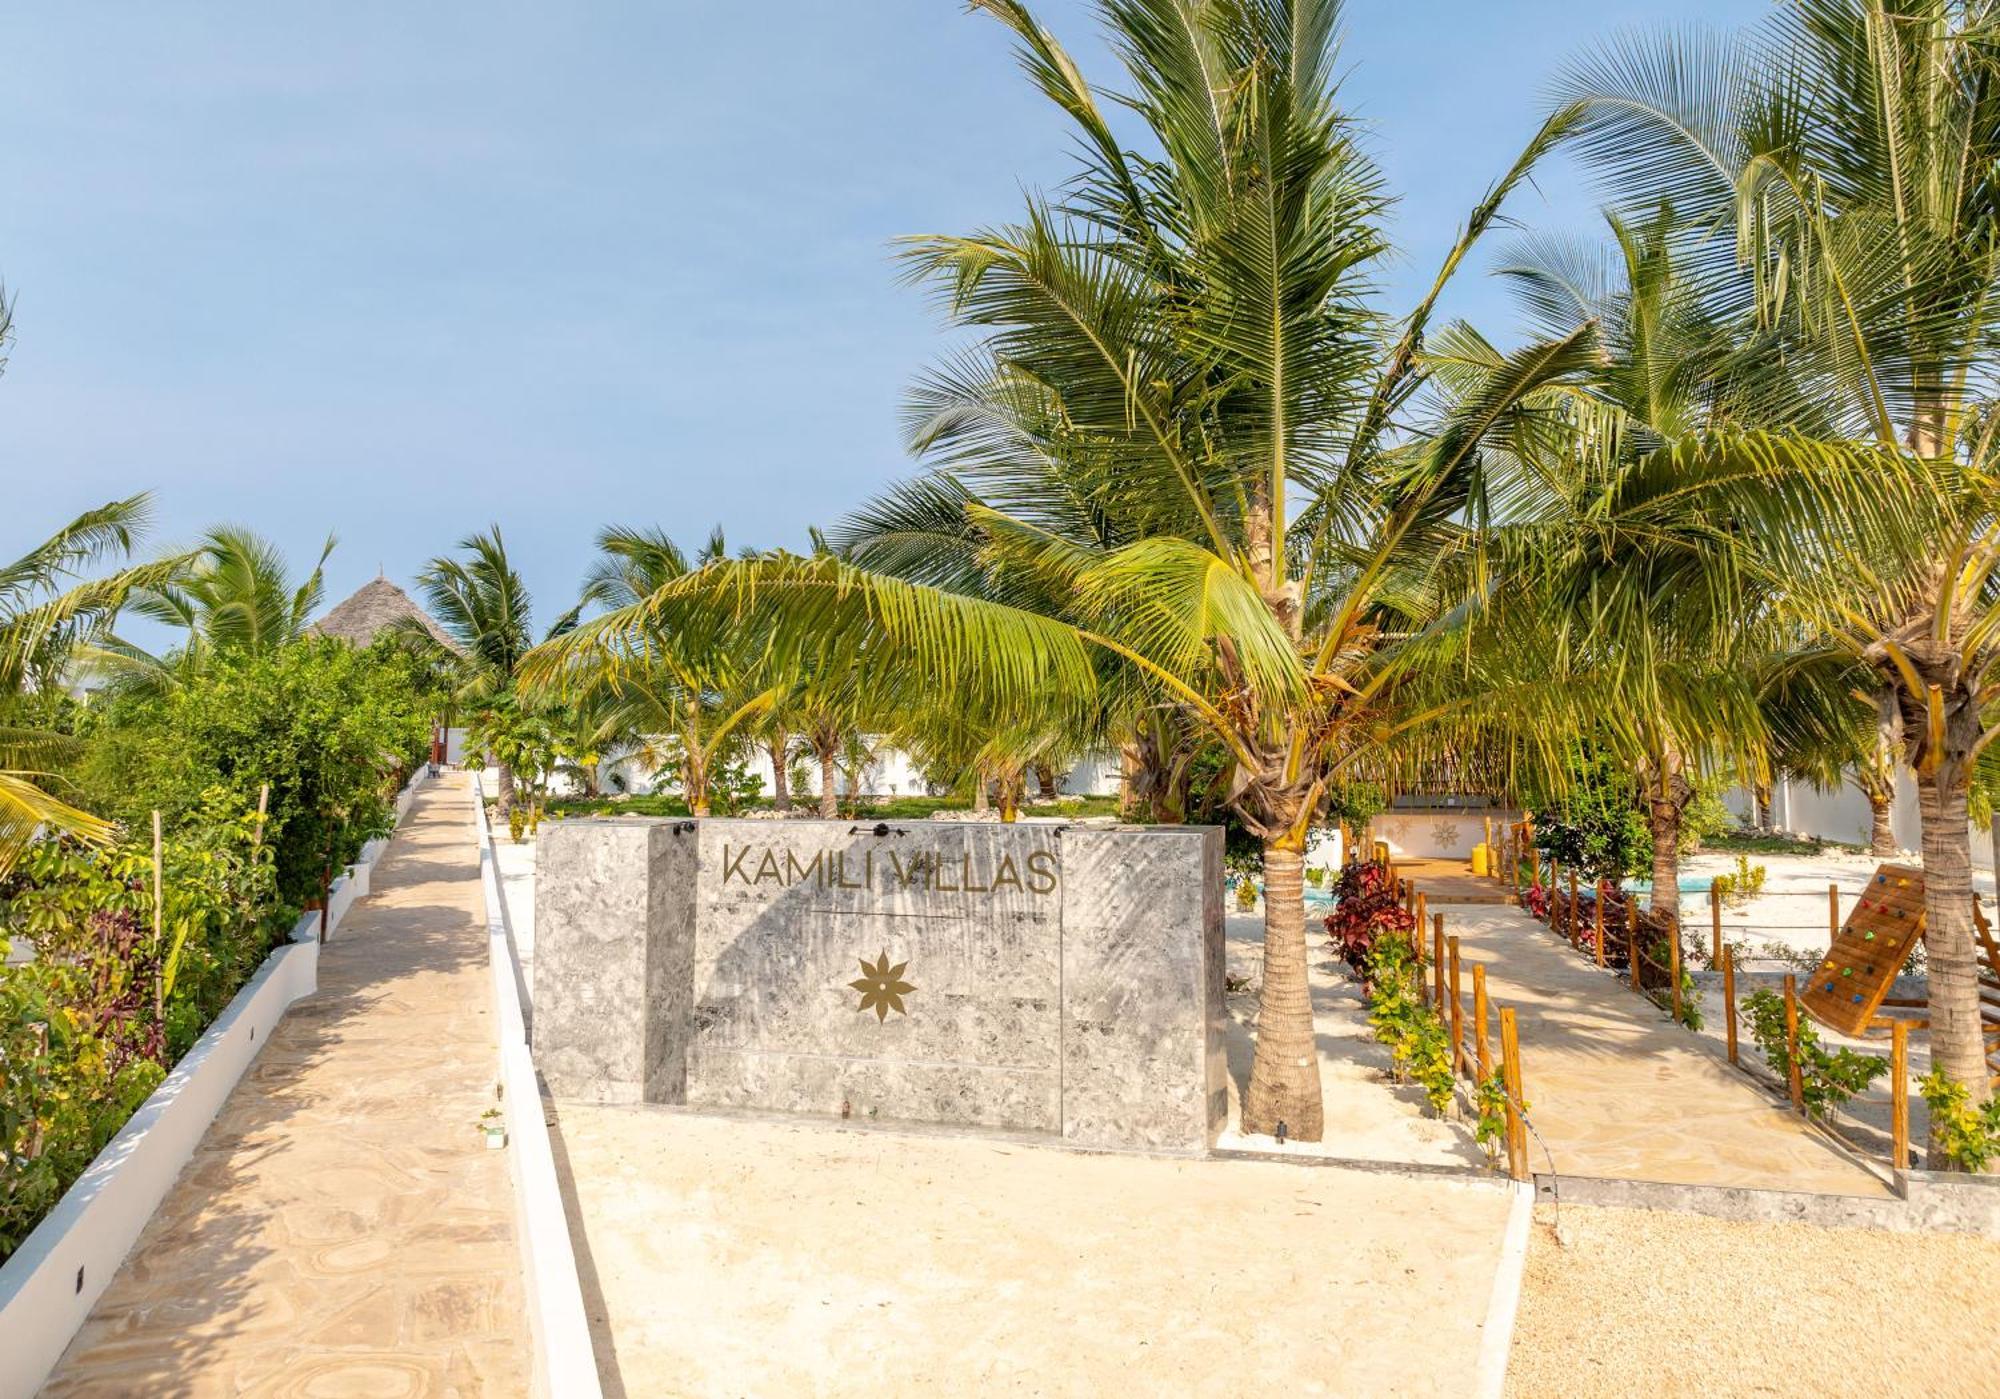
x=565, y=1361
x=50, y=1284
x=1496, y=1336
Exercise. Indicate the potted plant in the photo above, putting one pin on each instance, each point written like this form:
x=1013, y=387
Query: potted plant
x=494, y=1124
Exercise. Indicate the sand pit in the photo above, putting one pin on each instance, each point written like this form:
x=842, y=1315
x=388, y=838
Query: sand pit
x=734, y=1256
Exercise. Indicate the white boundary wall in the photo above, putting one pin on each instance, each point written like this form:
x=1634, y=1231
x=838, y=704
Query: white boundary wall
x=49, y=1285
x=565, y=1363
x=1842, y=814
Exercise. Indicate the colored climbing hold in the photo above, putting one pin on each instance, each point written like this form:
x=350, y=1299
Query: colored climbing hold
x=1829, y=986
x=1848, y=972
x=1857, y=999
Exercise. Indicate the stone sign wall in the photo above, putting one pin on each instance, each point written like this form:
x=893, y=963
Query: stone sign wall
x=1031, y=977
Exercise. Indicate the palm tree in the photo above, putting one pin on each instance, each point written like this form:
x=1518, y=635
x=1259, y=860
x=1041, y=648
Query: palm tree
x=484, y=606
x=1833, y=172
x=1187, y=335
x=1830, y=723
x=687, y=701
x=235, y=596
x=48, y=616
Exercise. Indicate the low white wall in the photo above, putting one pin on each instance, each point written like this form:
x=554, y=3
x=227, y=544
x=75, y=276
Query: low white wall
x=565, y=1363
x=50, y=1284
x=1842, y=814
x=1440, y=834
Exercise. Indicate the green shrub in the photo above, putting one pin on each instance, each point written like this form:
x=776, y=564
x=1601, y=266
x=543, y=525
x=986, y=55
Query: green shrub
x=1968, y=1137
x=1826, y=1080
x=332, y=729
x=1742, y=884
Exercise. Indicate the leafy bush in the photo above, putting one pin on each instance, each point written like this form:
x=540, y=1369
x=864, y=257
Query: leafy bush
x=1742, y=884
x=88, y=1028
x=1365, y=907
x=1827, y=1080
x=1968, y=1137
x=1419, y=1044
x=331, y=729
x=1590, y=822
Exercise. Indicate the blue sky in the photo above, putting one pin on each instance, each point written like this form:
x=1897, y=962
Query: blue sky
x=398, y=271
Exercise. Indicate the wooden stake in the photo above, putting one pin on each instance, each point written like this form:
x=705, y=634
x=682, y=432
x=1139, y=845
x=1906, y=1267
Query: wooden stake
x=1572, y=920
x=1714, y=927
x=1833, y=911
x=1599, y=921
x=159, y=927
x=1457, y=1007
x=1729, y=997
x=1797, y=1084
x=1899, y=1092
x=1632, y=937
x=1437, y=932
x=1481, y=1047
x=1510, y=1070
x=1674, y=963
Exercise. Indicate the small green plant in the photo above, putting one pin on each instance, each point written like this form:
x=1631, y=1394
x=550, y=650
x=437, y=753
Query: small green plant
x=1741, y=885
x=517, y=822
x=1489, y=1101
x=1826, y=1080
x=1316, y=876
x=1419, y=1044
x=1968, y=1137
x=1246, y=893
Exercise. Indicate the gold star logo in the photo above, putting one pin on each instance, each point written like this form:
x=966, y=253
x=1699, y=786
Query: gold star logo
x=882, y=987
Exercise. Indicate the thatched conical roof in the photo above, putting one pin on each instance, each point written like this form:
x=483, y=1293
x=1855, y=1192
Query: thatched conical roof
x=377, y=606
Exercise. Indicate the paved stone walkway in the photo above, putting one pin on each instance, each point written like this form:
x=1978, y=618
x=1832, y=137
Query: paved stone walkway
x=1617, y=1090
x=342, y=1229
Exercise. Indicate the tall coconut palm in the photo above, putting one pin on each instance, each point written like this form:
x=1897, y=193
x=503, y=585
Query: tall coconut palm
x=1188, y=334
x=1833, y=168
x=484, y=606
x=1830, y=724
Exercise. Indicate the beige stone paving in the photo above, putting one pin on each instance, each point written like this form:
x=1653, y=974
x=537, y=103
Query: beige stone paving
x=742, y=1256
x=1617, y=1090
x=342, y=1230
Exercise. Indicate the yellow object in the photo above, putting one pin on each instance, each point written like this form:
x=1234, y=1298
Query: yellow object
x=1482, y=858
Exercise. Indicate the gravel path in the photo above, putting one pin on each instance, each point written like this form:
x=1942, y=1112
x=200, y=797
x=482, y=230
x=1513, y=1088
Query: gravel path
x=1656, y=1303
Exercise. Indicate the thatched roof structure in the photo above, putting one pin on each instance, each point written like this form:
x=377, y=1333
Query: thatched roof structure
x=376, y=607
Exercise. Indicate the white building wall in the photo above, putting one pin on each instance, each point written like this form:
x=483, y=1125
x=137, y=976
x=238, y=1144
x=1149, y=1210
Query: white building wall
x=890, y=773
x=1842, y=814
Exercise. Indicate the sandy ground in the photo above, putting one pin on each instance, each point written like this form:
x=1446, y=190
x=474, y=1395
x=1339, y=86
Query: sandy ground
x=737, y=1256
x=1792, y=909
x=1653, y=1303
x=1368, y=1117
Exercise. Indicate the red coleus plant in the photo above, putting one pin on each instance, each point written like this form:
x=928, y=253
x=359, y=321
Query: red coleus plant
x=1365, y=907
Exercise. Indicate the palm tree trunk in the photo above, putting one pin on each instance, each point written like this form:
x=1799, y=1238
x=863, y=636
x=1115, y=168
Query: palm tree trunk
x=1763, y=800
x=1284, y=1075
x=1882, y=834
x=1129, y=765
x=979, y=806
x=503, y=790
x=829, y=800
x=1663, y=818
x=1952, y=968
x=1045, y=782
x=781, y=782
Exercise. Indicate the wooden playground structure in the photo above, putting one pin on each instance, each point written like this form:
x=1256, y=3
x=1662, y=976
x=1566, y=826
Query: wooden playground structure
x=1846, y=993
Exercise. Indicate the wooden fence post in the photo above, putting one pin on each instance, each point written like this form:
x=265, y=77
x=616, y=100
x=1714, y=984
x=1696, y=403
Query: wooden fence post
x=1457, y=1007
x=1632, y=937
x=1729, y=997
x=1833, y=912
x=1715, y=927
x=1899, y=1092
x=1438, y=968
x=1674, y=963
x=1796, y=1083
x=1482, y=1048
x=159, y=929
x=1510, y=1071
x=1574, y=919
x=1598, y=920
